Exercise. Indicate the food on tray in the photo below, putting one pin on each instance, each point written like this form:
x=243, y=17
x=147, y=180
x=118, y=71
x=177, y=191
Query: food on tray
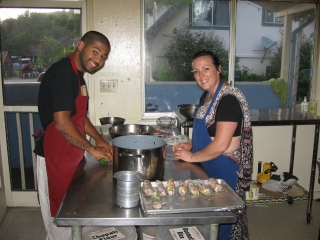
x=182, y=188
x=170, y=187
x=204, y=189
x=192, y=187
x=147, y=187
x=157, y=204
x=214, y=184
x=161, y=189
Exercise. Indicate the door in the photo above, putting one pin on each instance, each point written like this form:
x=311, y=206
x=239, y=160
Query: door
x=32, y=38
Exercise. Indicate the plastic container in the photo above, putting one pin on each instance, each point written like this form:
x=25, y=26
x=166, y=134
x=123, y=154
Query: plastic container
x=163, y=232
x=147, y=232
x=305, y=105
x=313, y=107
x=129, y=232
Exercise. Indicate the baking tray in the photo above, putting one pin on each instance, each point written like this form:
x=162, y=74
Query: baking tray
x=224, y=200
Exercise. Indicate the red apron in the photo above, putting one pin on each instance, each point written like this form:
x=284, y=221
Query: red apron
x=62, y=157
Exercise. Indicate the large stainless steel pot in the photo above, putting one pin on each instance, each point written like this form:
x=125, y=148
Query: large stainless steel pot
x=142, y=153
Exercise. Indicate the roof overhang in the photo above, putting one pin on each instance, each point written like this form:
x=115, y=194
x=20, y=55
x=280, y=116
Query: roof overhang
x=284, y=8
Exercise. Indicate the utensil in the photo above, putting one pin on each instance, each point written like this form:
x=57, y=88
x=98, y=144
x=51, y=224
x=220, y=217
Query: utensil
x=166, y=122
x=130, y=129
x=111, y=120
x=142, y=153
x=188, y=110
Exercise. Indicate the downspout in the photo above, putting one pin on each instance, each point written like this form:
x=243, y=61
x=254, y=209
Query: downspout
x=292, y=59
x=232, y=50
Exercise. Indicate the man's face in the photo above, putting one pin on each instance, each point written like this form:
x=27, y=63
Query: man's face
x=93, y=57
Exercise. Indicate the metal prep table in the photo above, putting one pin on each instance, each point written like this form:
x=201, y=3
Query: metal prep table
x=91, y=201
x=278, y=117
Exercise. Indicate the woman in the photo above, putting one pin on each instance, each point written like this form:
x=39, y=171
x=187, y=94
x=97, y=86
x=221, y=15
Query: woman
x=222, y=135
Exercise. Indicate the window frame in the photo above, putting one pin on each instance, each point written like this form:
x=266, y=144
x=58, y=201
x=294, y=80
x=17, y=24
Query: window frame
x=270, y=24
x=220, y=27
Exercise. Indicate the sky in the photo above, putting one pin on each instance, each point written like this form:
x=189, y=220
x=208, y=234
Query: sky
x=6, y=13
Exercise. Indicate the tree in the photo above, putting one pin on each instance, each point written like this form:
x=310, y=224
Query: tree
x=47, y=36
x=184, y=43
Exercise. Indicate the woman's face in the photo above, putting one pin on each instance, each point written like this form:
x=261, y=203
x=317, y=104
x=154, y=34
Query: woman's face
x=206, y=74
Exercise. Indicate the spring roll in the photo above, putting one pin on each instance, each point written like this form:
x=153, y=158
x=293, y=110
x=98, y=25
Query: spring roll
x=147, y=187
x=161, y=189
x=170, y=187
x=182, y=188
x=192, y=187
x=203, y=189
x=215, y=185
x=157, y=204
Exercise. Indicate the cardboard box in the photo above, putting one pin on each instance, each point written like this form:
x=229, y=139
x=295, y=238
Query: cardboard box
x=268, y=192
x=253, y=193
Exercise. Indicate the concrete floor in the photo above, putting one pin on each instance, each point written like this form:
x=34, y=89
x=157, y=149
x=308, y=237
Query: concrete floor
x=271, y=221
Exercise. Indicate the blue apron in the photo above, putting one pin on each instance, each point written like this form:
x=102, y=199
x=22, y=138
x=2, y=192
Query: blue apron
x=220, y=167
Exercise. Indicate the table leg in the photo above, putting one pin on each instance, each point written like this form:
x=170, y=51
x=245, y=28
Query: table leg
x=214, y=230
x=178, y=124
x=76, y=232
x=186, y=131
x=313, y=171
x=293, y=146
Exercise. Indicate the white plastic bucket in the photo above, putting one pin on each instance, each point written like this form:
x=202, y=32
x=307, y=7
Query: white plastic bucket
x=129, y=232
x=147, y=232
x=163, y=232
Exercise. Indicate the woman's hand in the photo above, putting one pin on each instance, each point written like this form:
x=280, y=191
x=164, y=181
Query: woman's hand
x=180, y=151
x=186, y=146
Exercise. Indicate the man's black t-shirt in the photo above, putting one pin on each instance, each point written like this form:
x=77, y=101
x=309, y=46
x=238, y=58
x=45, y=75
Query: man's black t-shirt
x=58, y=90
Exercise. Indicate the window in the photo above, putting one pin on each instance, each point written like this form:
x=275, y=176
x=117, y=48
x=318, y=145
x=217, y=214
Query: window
x=209, y=14
x=31, y=40
x=269, y=18
x=170, y=42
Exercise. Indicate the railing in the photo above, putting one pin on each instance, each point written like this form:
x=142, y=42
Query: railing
x=20, y=145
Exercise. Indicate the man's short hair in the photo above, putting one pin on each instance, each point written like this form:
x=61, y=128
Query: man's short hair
x=94, y=36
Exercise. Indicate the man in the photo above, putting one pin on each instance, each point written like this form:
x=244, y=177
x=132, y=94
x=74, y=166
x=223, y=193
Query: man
x=62, y=104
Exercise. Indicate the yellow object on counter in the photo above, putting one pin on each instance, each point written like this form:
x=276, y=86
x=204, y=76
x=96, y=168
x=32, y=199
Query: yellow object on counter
x=279, y=87
x=253, y=193
x=313, y=107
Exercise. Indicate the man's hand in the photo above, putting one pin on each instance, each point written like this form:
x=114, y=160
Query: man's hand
x=101, y=152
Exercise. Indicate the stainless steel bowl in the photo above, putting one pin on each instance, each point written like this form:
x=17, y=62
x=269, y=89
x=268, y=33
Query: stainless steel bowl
x=128, y=203
x=188, y=110
x=111, y=120
x=130, y=129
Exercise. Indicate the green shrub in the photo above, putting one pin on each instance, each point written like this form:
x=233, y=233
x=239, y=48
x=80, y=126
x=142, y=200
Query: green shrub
x=162, y=75
x=184, y=43
x=303, y=88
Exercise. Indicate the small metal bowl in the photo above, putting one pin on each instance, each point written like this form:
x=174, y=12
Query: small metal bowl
x=188, y=110
x=130, y=129
x=112, y=120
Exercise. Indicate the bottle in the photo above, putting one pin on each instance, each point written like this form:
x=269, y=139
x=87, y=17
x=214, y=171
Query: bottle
x=305, y=105
x=313, y=107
